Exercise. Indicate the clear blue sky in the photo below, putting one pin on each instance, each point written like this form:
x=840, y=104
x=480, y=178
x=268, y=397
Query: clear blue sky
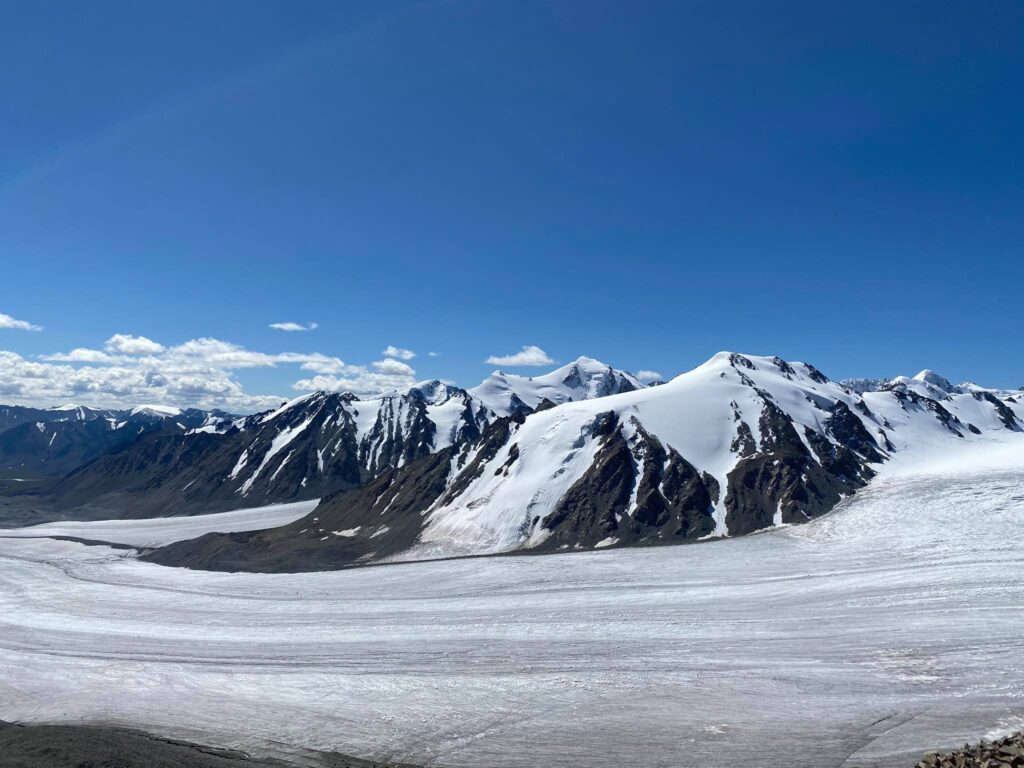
x=646, y=183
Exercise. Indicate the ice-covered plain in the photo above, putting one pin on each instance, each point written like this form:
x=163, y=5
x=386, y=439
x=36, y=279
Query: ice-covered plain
x=892, y=625
x=159, y=531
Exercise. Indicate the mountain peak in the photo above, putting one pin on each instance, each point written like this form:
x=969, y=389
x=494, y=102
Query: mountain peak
x=931, y=377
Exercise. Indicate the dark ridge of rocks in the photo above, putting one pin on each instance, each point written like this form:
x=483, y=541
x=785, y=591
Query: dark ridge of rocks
x=1006, y=415
x=491, y=441
x=908, y=400
x=1007, y=752
x=785, y=478
x=96, y=746
x=735, y=359
x=379, y=519
x=816, y=375
x=673, y=501
x=385, y=445
x=845, y=427
x=783, y=366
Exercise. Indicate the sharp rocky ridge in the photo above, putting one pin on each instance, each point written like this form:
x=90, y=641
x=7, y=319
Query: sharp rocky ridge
x=316, y=444
x=740, y=444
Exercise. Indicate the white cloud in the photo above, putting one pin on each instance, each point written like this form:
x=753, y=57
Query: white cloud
x=6, y=321
x=433, y=354
x=126, y=344
x=528, y=355
x=401, y=354
x=393, y=367
x=649, y=376
x=81, y=355
x=198, y=373
x=294, y=326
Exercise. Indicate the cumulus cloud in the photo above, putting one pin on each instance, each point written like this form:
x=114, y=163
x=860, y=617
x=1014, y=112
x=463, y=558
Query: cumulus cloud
x=294, y=326
x=649, y=376
x=393, y=367
x=401, y=354
x=528, y=355
x=126, y=344
x=6, y=321
x=433, y=354
x=81, y=355
x=197, y=373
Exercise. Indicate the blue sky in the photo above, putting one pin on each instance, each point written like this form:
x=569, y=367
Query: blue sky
x=642, y=183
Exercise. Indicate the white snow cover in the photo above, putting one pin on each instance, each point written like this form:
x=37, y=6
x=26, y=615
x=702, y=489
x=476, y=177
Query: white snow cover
x=159, y=531
x=888, y=628
x=582, y=379
x=698, y=414
x=156, y=410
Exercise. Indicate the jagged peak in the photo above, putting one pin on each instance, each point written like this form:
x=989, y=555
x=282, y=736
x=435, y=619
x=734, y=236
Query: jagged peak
x=929, y=376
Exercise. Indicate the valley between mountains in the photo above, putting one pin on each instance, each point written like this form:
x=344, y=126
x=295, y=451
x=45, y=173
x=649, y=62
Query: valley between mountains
x=850, y=598
x=585, y=457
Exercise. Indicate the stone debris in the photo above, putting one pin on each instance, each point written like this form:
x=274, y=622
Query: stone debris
x=1004, y=753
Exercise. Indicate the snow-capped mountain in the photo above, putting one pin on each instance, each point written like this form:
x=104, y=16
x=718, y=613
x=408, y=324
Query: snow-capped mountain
x=14, y=415
x=311, y=446
x=582, y=379
x=739, y=444
x=53, y=441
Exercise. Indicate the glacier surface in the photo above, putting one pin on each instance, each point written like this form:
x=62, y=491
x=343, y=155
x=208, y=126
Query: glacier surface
x=891, y=626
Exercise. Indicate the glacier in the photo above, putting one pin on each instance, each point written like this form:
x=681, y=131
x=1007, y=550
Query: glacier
x=888, y=627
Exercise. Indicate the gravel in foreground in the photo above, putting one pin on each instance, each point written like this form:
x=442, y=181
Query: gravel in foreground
x=1004, y=753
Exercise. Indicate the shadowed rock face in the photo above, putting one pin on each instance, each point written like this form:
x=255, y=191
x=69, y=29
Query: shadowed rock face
x=379, y=519
x=1006, y=415
x=670, y=503
x=784, y=484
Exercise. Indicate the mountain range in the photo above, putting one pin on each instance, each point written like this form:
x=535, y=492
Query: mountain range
x=584, y=457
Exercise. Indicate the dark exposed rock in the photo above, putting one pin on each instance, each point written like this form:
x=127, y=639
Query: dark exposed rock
x=544, y=405
x=1006, y=415
x=1007, y=752
x=740, y=360
x=672, y=500
x=816, y=375
x=374, y=521
x=849, y=430
x=783, y=366
x=162, y=474
x=784, y=483
x=95, y=746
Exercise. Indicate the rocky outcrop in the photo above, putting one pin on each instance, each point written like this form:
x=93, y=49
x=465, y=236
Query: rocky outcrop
x=379, y=519
x=785, y=483
x=1007, y=752
x=636, y=492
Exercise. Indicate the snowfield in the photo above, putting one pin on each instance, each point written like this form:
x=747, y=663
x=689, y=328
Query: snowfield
x=893, y=625
x=160, y=531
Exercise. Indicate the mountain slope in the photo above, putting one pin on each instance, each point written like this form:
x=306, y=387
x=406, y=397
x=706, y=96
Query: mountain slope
x=582, y=379
x=60, y=439
x=309, y=447
x=739, y=444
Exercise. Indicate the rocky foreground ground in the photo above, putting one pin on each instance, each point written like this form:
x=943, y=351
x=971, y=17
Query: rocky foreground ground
x=74, y=746
x=1004, y=753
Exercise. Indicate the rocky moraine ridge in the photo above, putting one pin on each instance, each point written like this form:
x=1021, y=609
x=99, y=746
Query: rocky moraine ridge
x=738, y=445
